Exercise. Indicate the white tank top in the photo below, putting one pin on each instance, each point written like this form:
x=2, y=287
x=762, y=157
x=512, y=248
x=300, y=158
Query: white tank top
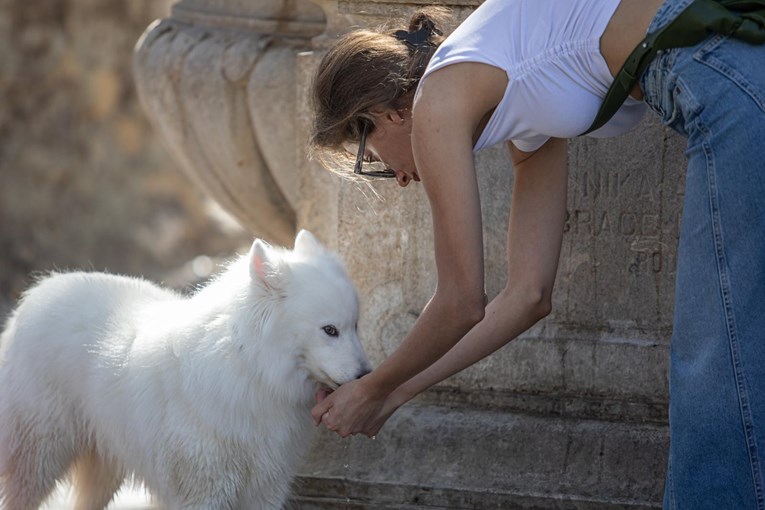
x=550, y=50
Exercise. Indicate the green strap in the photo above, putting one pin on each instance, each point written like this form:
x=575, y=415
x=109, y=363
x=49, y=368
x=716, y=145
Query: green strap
x=741, y=19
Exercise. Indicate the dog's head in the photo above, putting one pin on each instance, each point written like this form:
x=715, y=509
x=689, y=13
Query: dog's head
x=315, y=308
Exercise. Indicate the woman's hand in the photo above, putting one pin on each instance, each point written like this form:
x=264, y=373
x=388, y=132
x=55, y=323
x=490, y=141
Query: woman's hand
x=357, y=407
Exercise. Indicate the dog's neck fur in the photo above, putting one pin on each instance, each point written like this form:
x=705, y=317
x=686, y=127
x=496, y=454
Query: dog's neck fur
x=237, y=318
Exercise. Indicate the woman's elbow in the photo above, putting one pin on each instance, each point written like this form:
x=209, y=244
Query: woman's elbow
x=536, y=301
x=475, y=312
x=541, y=308
x=467, y=311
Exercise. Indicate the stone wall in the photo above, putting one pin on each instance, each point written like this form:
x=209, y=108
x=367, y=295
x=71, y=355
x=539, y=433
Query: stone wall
x=614, y=293
x=84, y=180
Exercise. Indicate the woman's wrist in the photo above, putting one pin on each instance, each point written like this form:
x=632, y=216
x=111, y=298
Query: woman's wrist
x=403, y=394
x=376, y=385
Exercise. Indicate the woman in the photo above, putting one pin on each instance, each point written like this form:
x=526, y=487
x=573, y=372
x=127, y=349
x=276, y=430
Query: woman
x=532, y=73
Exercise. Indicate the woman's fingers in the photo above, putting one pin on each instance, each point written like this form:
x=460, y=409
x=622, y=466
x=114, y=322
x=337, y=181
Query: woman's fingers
x=327, y=421
x=322, y=393
x=320, y=409
x=351, y=409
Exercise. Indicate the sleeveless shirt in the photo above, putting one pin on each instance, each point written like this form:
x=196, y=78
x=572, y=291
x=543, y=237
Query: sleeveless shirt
x=557, y=76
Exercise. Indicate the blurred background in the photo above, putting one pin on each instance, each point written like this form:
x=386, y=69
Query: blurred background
x=84, y=181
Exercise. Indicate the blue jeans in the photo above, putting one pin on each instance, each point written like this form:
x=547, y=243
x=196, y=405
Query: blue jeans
x=714, y=94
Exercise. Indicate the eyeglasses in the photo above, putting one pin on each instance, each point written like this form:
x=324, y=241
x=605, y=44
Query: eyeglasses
x=385, y=173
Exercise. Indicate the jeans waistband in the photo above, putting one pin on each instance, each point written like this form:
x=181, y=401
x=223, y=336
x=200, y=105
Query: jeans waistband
x=667, y=12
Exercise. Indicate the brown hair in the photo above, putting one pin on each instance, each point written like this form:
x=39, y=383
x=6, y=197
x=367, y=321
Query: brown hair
x=366, y=68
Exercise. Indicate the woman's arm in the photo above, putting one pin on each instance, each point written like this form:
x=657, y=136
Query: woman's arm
x=442, y=140
x=442, y=133
x=449, y=105
x=535, y=234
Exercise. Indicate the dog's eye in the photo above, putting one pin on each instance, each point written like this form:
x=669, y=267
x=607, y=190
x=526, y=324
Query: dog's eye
x=330, y=330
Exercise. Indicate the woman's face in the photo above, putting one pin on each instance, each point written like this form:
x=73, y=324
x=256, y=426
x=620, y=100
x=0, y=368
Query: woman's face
x=391, y=144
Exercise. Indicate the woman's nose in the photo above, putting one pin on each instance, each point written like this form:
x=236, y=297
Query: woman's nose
x=402, y=179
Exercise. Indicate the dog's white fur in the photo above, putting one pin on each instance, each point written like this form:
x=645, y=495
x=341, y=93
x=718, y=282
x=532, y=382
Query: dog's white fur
x=204, y=399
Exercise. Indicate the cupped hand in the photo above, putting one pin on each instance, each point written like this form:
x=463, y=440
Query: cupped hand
x=356, y=407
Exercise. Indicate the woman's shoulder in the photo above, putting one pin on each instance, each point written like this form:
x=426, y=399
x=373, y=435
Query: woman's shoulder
x=461, y=92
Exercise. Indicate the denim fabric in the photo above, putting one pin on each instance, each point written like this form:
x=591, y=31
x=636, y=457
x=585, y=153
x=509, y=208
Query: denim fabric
x=714, y=94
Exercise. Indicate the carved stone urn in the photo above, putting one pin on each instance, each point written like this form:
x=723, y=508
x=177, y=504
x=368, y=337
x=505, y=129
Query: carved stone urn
x=217, y=79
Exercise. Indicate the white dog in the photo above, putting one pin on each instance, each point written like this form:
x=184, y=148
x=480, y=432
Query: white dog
x=204, y=399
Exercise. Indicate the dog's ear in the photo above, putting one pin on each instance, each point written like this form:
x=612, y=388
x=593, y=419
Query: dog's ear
x=307, y=244
x=264, y=264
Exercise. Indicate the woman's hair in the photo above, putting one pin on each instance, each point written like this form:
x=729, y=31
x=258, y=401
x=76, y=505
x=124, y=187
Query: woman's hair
x=366, y=68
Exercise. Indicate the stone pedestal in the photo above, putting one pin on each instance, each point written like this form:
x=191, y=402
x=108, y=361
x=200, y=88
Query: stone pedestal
x=570, y=415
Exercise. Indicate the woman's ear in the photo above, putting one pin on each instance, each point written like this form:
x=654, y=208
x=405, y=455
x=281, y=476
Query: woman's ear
x=398, y=116
x=383, y=114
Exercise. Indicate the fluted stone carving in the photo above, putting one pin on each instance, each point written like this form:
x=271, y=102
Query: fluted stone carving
x=217, y=79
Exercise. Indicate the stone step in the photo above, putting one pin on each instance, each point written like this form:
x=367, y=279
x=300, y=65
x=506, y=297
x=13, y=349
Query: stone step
x=617, y=376
x=339, y=494
x=436, y=457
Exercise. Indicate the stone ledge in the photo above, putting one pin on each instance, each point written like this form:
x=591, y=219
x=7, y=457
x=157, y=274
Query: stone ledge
x=575, y=377
x=570, y=406
x=300, y=28
x=486, y=459
x=382, y=12
x=338, y=493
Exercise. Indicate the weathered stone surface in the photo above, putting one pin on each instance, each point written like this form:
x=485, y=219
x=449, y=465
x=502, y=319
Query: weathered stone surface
x=281, y=17
x=599, y=359
x=318, y=207
x=610, y=326
x=598, y=363
x=396, y=12
x=620, y=250
x=463, y=458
